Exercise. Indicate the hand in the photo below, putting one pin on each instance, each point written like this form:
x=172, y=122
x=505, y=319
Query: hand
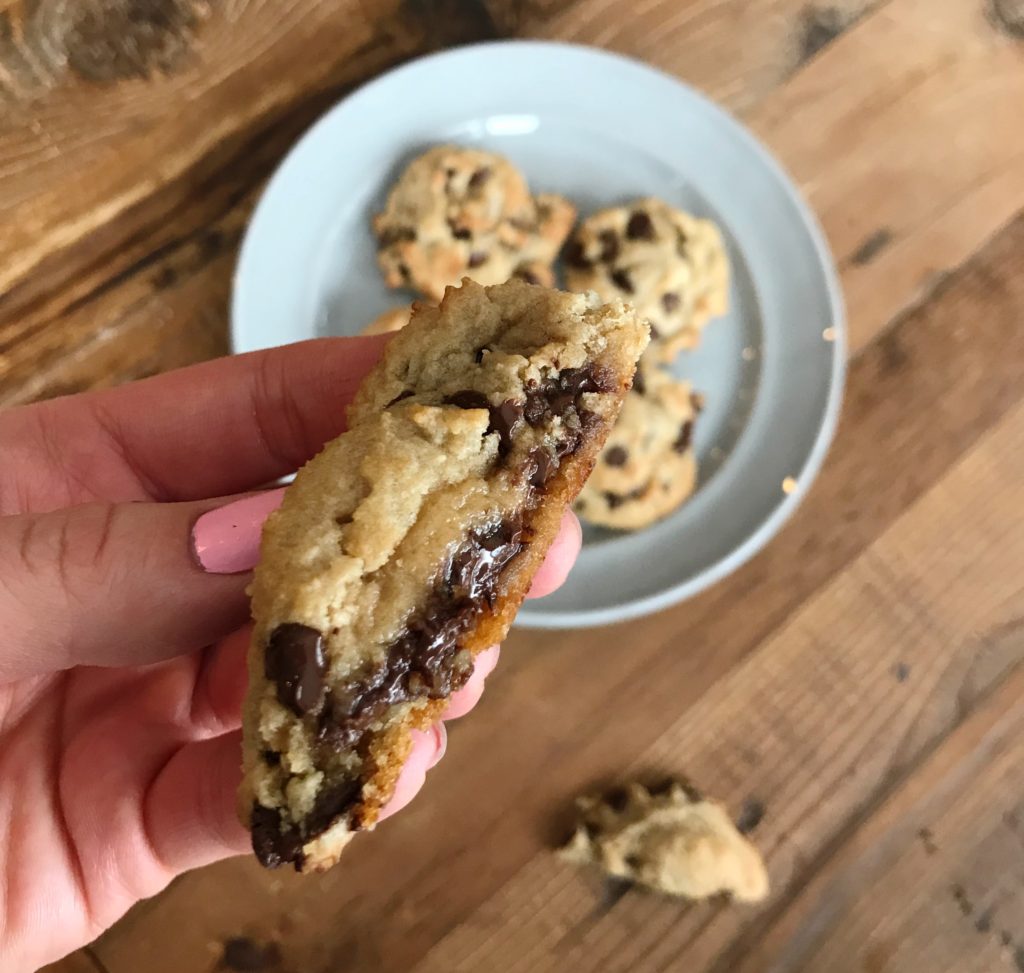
x=123, y=627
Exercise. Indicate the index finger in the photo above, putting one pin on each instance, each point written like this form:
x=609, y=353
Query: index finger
x=213, y=429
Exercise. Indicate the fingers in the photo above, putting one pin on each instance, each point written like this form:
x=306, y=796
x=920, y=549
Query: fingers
x=427, y=748
x=189, y=809
x=104, y=584
x=464, y=699
x=560, y=558
x=213, y=429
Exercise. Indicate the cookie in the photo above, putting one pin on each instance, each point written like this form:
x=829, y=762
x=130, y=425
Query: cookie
x=669, y=265
x=647, y=468
x=458, y=212
x=406, y=546
x=393, y=320
x=670, y=840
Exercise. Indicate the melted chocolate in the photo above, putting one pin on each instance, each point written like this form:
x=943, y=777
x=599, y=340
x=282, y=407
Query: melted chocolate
x=272, y=845
x=559, y=393
x=295, y=661
x=504, y=417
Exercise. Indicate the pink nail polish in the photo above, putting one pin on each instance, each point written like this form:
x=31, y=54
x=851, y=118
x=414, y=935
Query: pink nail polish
x=227, y=540
x=442, y=743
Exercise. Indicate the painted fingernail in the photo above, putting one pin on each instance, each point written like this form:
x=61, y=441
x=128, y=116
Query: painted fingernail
x=227, y=540
x=442, y=743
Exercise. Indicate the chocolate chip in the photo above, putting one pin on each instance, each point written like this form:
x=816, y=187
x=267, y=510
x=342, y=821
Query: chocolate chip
x=560, y=392
x=273, y=844
x=541, y=466
x=504, y=419
x=295, y=661
x=459, y=232
x=398, y=398
x=477, y=258
x=661, y=787
x=479, y=177
x=395, y=234
x=617, y=799
x=575, y=256
x=468, y=399
x=270, y=757
x=524, y=273
x=640, y=226
x=751, y=815
x=609, y=241
x=243, y=955
x=616, y=456
x=682, y=442
x=473, y=571
x=616, y=500
x=330, y=804
x=669, y=302
x=403, y=270
x=621, y=279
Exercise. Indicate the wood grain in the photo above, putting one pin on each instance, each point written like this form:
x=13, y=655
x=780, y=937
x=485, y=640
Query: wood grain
x=860, y=680
x=902, y=409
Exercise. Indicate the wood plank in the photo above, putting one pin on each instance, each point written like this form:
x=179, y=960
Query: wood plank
x=896, y=224
x=905, y=136
x=906, y=410
x=932, y=880
x=818, y=725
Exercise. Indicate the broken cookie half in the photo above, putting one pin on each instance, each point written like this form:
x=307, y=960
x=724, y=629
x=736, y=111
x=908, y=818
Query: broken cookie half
x=406, y=546
x=669, y=839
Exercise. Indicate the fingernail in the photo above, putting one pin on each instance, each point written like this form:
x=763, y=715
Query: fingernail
x=227, y=540
x=442, y=743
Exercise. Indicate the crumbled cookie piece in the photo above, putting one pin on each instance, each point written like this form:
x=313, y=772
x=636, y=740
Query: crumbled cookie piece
x=648, y=466
x=406, y=546
x=671, y=266
x=671, y=840
x=458, y=212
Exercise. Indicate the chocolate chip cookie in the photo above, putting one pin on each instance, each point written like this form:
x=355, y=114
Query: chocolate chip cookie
x=669, y=265
x=406, y=546
x=458, y=212
x=647, y=468
x=670, y=839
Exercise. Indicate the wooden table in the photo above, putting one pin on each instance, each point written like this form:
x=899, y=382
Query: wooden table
x=861, y=679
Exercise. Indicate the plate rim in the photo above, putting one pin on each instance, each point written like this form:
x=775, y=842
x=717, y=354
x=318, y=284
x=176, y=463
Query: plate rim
x=770, y=525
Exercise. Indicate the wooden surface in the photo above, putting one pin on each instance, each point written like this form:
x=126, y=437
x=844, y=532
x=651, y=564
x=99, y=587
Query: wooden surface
x=861, y=679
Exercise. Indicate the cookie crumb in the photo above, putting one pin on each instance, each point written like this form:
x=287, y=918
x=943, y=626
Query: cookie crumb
x=670, y=842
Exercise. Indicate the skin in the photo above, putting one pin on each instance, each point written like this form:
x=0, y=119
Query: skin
x=121, y=659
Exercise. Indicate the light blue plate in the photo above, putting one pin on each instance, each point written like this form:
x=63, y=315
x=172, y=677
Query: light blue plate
x=600, y=129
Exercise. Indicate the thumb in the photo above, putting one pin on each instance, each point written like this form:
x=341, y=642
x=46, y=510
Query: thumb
x=116, y=584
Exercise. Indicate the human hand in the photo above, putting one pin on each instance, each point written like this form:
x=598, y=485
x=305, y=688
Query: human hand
x=123, y=615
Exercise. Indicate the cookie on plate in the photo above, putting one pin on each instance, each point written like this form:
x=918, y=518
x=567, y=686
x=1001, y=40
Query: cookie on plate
x=647, y=468
x=406, y=546
x=393, y=320
x=672, y=267
x=458, y=212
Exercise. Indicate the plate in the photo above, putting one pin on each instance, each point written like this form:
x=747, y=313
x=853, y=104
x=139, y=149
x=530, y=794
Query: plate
x=602, y=130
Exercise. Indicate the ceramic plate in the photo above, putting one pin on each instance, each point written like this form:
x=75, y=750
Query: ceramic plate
x=602, y=130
